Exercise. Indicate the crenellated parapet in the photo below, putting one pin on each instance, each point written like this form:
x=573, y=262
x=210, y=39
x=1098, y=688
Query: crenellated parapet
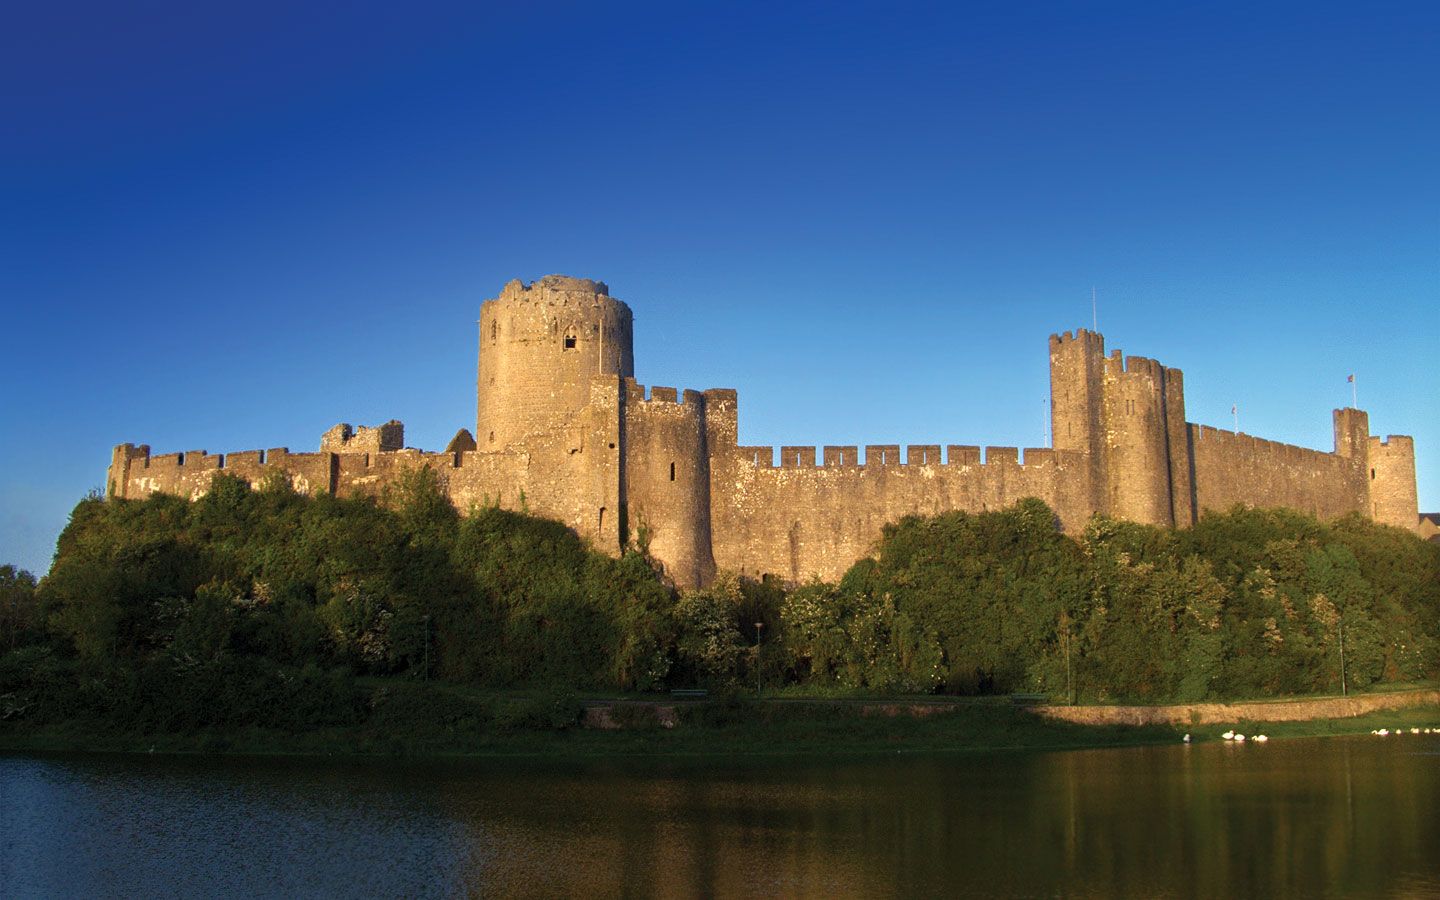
x=890, y=456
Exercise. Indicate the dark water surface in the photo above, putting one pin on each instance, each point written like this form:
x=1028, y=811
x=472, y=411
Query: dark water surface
x=1357, y=816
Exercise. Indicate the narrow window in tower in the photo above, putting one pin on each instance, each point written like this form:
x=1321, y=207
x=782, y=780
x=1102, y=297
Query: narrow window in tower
x=570, y=338
x=672, y=471
x=1372, y=474
x=494, y=330
x=492, y=437
x=602, y=518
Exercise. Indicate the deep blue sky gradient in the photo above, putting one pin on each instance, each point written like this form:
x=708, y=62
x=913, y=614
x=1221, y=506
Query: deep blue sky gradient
x=229, y=226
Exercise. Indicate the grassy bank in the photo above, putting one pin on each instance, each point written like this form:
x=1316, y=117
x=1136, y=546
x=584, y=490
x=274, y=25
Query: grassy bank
x=420, y=720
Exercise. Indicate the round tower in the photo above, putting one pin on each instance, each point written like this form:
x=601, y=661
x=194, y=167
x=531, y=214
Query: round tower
x=540, y=345
x=1137, y=452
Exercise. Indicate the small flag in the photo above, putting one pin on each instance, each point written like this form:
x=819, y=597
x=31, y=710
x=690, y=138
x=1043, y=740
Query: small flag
x=1350, y=378
x=1234, y=410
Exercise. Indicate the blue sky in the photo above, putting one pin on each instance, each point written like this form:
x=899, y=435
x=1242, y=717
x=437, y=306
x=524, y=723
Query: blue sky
x=231, y=226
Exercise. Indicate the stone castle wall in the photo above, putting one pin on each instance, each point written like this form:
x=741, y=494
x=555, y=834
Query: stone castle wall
x=564, y=430
x=1233, y=468
x=802, y=520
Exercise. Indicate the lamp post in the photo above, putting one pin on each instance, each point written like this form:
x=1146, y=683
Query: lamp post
x=758, y=627
x=1344, y=690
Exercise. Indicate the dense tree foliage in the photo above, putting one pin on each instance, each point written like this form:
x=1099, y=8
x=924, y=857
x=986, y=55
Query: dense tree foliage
x=261, y=607
x=1248, y=603
x=385, y=588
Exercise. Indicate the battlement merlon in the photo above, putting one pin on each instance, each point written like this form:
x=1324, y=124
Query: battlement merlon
x=1084, y=337
x=1402, y=443
x=889, y=456
x=1118, y=364
x=635, y=393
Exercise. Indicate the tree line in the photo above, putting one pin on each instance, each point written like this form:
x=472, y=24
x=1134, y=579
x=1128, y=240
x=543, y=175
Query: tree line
x=264, y=604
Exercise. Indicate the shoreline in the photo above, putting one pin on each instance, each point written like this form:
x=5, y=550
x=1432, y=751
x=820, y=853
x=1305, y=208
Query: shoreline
x=1280, y=709
x=788, y=730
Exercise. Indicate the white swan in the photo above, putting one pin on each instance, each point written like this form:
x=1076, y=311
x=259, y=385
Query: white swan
x=1261, y=738
x=1229, y=735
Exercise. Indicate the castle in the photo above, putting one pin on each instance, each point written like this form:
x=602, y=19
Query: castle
x=563, y=429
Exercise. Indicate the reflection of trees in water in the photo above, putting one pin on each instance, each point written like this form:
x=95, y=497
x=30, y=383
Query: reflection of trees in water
x=1305, y=817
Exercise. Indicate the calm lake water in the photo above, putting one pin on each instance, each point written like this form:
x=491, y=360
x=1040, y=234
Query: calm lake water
x=1355, y=816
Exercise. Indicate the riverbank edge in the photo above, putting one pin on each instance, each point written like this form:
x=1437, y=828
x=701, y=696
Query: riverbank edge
x=1278, y=710
x=873, y=730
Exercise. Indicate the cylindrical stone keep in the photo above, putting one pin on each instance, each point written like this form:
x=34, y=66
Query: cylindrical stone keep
x=540, y=344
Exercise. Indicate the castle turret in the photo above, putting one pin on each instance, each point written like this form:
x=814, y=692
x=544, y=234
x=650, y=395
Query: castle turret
x=1394, y=499
x=1137, y=441
x=540, y=346
x=1075, y=407
x=667, y=479
x=1352, y=432
x=1127, y=415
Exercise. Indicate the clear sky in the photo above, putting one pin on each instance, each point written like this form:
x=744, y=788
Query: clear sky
x=229, y=226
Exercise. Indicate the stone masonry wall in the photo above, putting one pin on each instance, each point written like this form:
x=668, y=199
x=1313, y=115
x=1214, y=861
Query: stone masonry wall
x=802, y=520
x=1238, y=468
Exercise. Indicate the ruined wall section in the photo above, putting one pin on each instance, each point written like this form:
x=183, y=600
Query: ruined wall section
x=666, y=480
x=343, y=438
x=540, y=346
